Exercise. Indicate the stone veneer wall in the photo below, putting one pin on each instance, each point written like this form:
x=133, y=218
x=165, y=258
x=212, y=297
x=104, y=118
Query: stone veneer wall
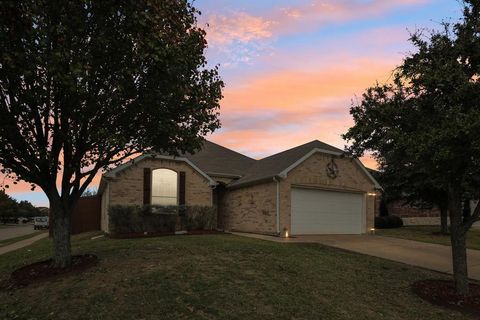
x=312, y=174
x=127, y=188
x=250, y=209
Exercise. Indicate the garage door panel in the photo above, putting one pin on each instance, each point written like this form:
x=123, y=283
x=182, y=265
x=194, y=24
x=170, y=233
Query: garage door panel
x=327, y=212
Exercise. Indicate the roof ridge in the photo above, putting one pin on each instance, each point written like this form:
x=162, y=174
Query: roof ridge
x=300, y=146
x=231, y=150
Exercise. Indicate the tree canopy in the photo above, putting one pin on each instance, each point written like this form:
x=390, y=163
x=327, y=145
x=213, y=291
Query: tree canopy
x=424, y=127
x=88, y=84
x=11, y=209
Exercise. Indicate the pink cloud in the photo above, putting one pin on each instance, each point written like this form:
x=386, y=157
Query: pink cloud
x=318, y=13
x=239, y=26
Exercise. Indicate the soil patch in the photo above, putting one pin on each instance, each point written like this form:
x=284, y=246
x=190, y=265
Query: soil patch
x=442, y=293
x=43, y=270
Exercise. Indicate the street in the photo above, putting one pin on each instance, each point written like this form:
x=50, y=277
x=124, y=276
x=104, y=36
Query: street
x=12, y=231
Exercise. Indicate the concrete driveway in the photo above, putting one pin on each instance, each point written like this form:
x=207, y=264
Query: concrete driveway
x=426, y=255
x=12, y=231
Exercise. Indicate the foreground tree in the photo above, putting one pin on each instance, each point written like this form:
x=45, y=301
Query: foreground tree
x=426, y=124
x=88, y=84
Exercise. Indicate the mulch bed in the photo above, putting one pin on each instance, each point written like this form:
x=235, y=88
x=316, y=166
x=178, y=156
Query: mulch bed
x=160, y=234
x=44, y=270
x=442, y=293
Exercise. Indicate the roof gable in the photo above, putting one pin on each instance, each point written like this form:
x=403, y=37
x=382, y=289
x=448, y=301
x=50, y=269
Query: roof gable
x=215, y=160
x=273, y=165
x=113, y=173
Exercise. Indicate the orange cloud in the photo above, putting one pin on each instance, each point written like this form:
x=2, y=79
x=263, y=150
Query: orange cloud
x=265, y=113
x=262, y=142
x=294, y=89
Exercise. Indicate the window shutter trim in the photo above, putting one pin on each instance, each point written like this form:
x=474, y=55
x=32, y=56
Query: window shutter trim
x=181, y=188
x=147, y=183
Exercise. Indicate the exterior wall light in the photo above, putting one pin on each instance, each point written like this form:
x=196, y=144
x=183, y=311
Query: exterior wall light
x=372, y=194
x=285, y=233
x=372, y=230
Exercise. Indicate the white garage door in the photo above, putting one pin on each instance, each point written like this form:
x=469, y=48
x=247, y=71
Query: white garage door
x=326, y=212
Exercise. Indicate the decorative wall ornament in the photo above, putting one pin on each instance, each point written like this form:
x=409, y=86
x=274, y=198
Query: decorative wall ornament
x=332, y=169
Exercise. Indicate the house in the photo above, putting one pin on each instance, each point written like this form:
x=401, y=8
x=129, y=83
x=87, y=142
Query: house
x=310, y=189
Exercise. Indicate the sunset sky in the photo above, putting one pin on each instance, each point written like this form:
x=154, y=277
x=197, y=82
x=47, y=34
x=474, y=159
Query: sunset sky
x=292, y=67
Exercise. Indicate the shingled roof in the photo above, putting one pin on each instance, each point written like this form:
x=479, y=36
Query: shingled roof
x=214, y=159
x=271, y=166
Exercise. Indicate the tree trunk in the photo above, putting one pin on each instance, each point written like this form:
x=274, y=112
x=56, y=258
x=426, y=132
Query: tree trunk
x=459, y=254
x=61, y=234
x=444, y=219
x=458, y=240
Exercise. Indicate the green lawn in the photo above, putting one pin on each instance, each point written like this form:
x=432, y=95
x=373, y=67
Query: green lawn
x=19, y=238
x=218, y=277
x=426, y=234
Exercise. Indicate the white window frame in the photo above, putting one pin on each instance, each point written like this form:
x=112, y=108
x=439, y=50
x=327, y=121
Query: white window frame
x=152, y=196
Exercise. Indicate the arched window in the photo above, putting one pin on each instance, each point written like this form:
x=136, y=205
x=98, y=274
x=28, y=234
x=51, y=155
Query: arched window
x=164, y=187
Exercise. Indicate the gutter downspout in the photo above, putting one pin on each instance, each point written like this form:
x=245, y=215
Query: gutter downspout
x=277, y=205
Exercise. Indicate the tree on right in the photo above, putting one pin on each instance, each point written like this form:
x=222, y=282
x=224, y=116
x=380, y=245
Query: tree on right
x=423, y=127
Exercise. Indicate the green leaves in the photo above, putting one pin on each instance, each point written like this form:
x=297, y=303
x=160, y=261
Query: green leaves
x=88, y=83
x=424, y=127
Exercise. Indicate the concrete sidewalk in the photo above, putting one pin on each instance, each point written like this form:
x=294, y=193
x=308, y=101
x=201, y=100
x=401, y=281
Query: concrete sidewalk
x=23, y=243
x=426, y=255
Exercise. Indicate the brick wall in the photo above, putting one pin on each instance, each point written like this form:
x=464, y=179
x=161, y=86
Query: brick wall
x=250, y=209
x=253, y=208
x=127, y=187
x=312, y=173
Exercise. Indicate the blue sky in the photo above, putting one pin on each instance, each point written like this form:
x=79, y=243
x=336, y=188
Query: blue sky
x=292, y=68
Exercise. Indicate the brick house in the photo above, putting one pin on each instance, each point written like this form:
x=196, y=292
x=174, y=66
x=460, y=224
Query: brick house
x=310, y=189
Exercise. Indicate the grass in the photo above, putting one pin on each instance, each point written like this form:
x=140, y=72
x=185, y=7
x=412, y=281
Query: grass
x=19, y=238
x=426, y=234
x=218, y=277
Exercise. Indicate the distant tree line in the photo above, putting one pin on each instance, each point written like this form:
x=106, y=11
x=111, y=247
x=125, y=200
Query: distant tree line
x=11, y=210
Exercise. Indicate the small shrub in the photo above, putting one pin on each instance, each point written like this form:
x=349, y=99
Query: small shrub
x=160, y=219
x=388, y=222
x=383, y=207
x=198, y=217
x=138, y=219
